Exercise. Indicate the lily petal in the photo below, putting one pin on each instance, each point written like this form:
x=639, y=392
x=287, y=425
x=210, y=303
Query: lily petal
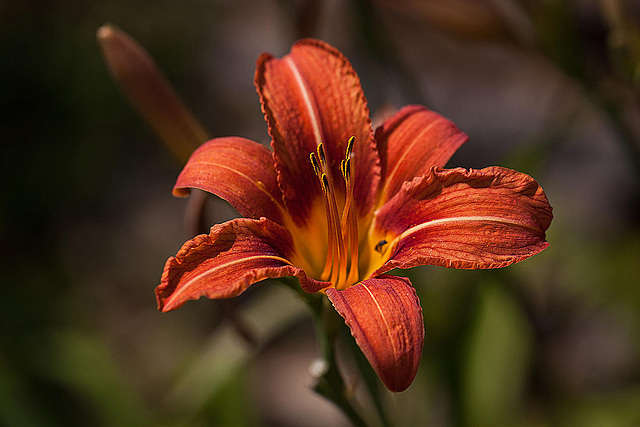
x=410, y=143
x=225, y=262
x=459, y=218
x=385, y=318
x=312, y=96
x=238, y=170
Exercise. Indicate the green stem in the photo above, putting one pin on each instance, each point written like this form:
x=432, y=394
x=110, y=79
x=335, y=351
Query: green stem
x=369, y=377
x=330, y=384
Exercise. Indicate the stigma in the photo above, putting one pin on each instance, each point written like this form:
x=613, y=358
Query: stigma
x=341, y=265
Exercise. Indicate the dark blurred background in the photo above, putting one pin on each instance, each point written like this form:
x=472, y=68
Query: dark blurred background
x=551, y=88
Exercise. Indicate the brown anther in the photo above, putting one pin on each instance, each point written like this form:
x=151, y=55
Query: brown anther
x=314, y=164
x=350, y=146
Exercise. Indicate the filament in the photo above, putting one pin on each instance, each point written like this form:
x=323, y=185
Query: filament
x=341, y=265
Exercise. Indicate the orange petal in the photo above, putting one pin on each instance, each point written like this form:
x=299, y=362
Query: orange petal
x=150, y=92
x=225, y=262
x=459, y=218
x=410, y=143
x=313, y=96
x=385, y=318
x=238, y=170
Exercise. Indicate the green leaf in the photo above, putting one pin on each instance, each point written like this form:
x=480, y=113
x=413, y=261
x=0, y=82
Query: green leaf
x=497, y=360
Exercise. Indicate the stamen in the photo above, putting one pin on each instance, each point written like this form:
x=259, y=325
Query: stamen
x=345, y=166
x=321, y=156
x=331, y=241
x=314, y=164
x=324, y=168
x=341, y=266
x=350, y=147
x=349, y=221
x=335, y=244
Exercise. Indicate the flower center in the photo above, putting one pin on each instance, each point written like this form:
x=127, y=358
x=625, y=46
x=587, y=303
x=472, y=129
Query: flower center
x=341, y=265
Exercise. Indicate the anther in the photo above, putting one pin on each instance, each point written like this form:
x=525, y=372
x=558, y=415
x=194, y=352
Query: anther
x=325, y=182
x=346, y=169
x=350, y=146
x=314, y=164
x=321, y=156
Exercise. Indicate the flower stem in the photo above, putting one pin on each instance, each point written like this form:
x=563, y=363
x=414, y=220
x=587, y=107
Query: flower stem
x=369, y=377
x=330, y=383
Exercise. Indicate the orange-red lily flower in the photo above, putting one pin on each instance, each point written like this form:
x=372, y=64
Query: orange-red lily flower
x=338, y=206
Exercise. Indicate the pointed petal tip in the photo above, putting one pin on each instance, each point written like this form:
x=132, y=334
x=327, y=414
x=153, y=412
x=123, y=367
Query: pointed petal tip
x=163, y=291
x=225, y=262
x=180, y=192
x=162, y=306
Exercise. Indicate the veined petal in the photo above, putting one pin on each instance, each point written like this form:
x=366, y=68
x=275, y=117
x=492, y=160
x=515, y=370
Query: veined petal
x=385, y=318
x=312, y=96
x=459, y=218
x=225, y=262
x=238, y=170
x=410, y=143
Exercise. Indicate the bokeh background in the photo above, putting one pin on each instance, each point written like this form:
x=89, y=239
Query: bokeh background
x=551, y=88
